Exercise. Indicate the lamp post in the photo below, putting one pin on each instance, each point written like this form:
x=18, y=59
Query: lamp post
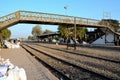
x=66, y=7
x=75, y=33
x=106, y=15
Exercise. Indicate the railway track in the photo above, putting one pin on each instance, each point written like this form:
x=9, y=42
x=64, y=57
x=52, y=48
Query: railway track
x=113, y=71
x=88, y=69
x=86, y=55
x=57, y=73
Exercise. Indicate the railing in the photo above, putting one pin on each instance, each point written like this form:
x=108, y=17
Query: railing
x=37, y=16
x=7, y=18
x=51, y=18
x=25, y=15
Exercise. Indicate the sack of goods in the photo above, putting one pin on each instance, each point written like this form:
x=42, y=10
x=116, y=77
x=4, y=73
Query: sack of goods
x=8, y=71
x=11, y=44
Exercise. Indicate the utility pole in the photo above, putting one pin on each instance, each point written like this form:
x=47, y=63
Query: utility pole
x=66, y=7
x=106, y=15
x=75, y=33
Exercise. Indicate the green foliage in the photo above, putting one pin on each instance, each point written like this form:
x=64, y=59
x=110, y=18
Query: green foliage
x=64, y=32
x=5, y=34
x=31, y=38
x=70, y=32
x=47, y=31
x=113, y=23
x=80, y=32
x=36, y=31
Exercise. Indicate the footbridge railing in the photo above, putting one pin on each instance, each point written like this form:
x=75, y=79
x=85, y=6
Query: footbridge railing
x=45, y=18
x=55, y=18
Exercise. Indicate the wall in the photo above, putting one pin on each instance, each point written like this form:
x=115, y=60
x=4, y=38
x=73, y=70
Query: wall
x=109, y=39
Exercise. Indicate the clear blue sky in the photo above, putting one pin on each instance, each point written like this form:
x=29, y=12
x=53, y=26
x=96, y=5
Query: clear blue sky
x=82, y=8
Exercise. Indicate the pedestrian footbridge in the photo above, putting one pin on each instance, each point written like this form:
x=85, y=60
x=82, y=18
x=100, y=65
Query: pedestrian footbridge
x=53, y=19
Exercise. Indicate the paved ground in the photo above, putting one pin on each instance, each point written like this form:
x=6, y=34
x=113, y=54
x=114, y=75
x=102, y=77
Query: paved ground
x=34, y=70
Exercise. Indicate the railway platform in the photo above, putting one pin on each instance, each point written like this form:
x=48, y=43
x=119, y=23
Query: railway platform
x=21, y=58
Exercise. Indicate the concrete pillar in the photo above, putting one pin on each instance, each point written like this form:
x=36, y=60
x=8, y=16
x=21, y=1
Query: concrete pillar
x=17, y=14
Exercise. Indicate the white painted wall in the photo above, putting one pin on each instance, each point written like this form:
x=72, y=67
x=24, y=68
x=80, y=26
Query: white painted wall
x=109, y=38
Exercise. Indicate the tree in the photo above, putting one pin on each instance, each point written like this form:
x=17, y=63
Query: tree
x=63, y=31
x=5, y=34
x=113, y=23
x=81, y=32
x=69, y=32
x=47, y=31
x=31, y=38
x=36, y=31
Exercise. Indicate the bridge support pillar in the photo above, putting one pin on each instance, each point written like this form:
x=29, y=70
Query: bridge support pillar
x=17, y=15
x=105, y=35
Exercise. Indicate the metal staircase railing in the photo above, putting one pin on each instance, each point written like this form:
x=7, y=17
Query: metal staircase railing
x=110, y=27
